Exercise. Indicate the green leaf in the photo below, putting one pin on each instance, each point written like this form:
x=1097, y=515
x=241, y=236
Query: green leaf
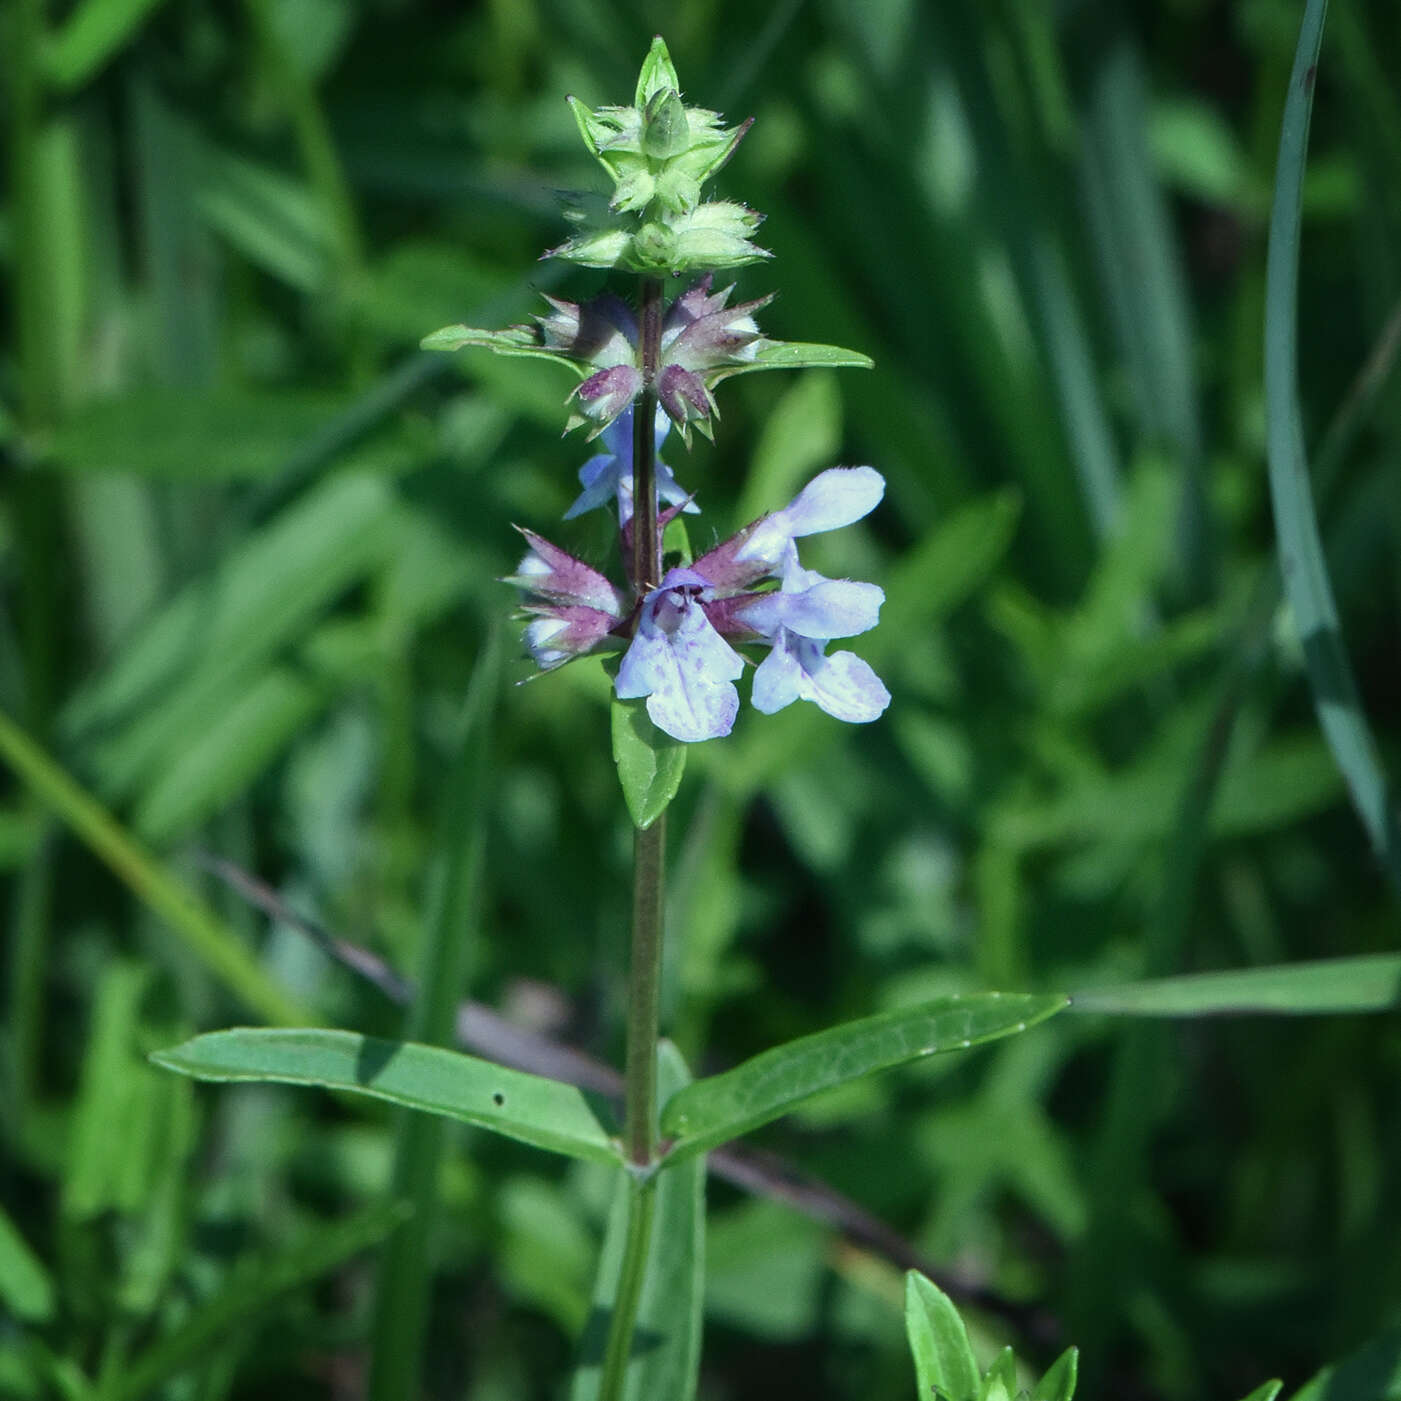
x=722, y=1107
x=944, y=1362
x=1302, y=565
x=91, y=35
x=1369, y=983
x=657, y=72
x=514, y=340
x=542, y=1112
x=665, y=1360
x=1266, y=1391
x=25, y=1287
x=650, y=763
x=797, y=355
x=1058, y=1383
x=249, y=1292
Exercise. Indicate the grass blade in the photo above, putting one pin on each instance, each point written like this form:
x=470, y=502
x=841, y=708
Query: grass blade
x=1306, y=581
x=526, y=1107
x=406, y=1271
x=1371, y=983
x=722, y=1107
x=212, y=941
x=250, y=1293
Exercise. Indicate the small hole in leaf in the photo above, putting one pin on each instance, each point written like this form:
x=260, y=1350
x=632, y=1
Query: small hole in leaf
x=498, y=1099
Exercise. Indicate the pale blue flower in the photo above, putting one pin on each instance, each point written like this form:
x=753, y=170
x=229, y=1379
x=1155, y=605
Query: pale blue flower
x=608, y=476
x=798, y=621
x=680, y=663
x=834, y=498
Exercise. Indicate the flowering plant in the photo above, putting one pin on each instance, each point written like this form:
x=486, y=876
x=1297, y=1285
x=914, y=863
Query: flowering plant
x=644, y=370
x=680, y=631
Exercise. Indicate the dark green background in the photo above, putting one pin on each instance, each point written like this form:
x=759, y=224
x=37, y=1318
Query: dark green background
x=249, y=540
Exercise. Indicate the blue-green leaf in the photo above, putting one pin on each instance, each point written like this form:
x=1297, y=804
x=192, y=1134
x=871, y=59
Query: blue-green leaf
x=722, y=1107
x=534, y=1110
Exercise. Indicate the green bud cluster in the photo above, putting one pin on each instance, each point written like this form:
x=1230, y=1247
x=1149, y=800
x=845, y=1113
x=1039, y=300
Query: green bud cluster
x=659, y=153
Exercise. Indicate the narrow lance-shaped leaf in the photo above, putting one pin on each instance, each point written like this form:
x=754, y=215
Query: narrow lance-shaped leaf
x=510, y=1102
x=722, y=1107
x=944, y=1362
x=1370, y=983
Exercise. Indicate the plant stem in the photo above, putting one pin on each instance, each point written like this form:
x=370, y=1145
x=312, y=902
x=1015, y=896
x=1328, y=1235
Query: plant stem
x=649, y=844
x=646, y=543
x=642, y=1201
x=648, y=892
x=644, y=993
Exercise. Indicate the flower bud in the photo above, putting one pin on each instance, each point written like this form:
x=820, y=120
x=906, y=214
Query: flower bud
x=654, y=248
x=677, y=191
x=665, y=130
x=557, y=633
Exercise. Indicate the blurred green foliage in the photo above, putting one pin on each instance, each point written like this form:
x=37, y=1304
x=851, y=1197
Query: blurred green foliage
x=249, y=538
